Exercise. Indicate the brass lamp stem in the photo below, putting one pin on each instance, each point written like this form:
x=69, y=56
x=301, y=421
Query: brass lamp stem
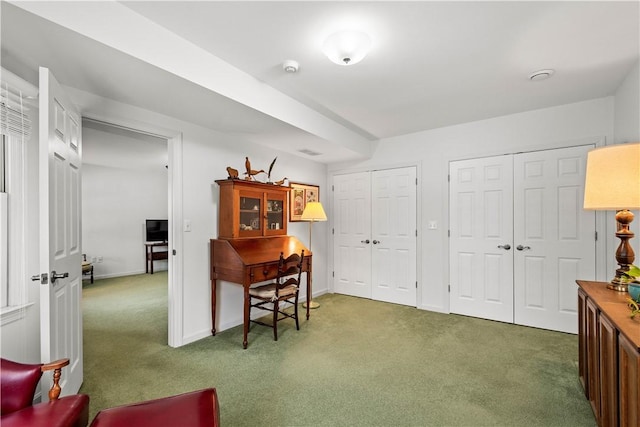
x=624, y=253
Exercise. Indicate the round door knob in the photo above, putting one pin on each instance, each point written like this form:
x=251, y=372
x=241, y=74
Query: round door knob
x=375, y=242
x=365, y=241
x=523, y=248
x=505, y=247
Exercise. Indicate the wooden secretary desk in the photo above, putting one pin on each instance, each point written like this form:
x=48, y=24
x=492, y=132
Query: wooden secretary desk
x=252, y=232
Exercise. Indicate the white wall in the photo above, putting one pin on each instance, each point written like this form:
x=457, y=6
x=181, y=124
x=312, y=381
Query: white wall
x=627, y=108
x=206, y=154
x=117, y=197
x=566, y=125
x=626, y=129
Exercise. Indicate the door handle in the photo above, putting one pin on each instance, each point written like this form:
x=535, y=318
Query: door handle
x=523, y=248
x=365, y=241
x=55, y=276
x=505, y=247
x=375, y=242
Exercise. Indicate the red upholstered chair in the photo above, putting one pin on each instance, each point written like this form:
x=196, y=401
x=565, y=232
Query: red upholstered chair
x=18, y=384
x=198, y=408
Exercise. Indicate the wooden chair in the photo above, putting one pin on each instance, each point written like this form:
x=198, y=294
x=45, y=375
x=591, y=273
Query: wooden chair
x=284, y=289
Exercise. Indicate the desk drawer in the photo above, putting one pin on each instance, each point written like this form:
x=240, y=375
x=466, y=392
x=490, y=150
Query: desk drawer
x=263, y=272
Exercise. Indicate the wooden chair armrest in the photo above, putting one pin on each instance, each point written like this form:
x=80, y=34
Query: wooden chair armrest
x=57, y=366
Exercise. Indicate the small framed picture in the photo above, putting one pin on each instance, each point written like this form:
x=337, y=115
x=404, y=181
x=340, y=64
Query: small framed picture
x=299, y=195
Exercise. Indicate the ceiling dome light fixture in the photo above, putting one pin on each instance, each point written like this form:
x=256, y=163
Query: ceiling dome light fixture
x=347, y=47
x=541, y=75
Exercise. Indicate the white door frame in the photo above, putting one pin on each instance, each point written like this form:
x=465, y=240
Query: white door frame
x=175, y=175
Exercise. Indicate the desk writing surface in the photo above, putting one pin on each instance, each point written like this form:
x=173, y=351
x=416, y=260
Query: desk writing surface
x=252, y=260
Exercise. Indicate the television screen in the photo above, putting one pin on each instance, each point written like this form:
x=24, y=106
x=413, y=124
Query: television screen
x=157, y=230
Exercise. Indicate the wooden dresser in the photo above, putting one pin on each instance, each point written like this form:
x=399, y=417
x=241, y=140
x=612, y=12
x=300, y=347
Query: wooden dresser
x=609, y=354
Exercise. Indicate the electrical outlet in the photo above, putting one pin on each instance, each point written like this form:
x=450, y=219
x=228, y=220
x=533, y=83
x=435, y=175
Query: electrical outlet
x=187, y=225
x=93, y=259
x=433, y=225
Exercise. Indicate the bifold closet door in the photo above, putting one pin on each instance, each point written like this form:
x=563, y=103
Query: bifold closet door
x=554, y=237
x=375, y=237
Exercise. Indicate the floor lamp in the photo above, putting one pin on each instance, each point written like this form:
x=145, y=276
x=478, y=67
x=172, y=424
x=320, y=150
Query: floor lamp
x=613, y=183
x=313, y=212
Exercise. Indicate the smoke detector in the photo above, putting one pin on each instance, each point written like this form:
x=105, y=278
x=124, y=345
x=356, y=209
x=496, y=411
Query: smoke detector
x=541, y=75
x=290, y=66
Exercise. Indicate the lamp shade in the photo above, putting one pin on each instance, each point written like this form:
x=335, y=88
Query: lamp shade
x=313, y=212
x=347, y=47
x=613, y=178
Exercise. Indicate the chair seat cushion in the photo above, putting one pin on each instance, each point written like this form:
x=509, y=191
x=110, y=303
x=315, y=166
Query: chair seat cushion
x=198, y=408
x=86, y=266
x=268, y=292
x=69, y=411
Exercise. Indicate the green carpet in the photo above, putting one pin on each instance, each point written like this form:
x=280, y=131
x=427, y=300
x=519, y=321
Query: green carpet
x=355, y=362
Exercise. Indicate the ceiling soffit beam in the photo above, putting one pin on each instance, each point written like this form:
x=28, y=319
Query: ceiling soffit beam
x=119, y=27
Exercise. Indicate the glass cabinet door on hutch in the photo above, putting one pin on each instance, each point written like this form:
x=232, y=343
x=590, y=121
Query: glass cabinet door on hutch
x=251, y=209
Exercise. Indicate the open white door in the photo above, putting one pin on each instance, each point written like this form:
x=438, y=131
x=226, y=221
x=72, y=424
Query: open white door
x=60, y=227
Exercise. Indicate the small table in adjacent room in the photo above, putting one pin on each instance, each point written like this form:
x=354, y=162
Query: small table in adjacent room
x=154, y=251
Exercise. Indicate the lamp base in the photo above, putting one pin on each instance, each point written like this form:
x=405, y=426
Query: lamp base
x=312, y=305
x=620, y=287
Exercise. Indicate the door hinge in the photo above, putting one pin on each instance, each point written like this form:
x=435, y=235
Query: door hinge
x=416, y=181
x=448, y=233
x=332, y=187
x=333, y=231
x=448, y=178
x=416, y=284
x=333, y=274
x=596, y=235
x=416, y=232
x=449, y=288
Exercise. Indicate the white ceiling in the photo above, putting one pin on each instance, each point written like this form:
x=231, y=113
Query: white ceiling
x=433, y=63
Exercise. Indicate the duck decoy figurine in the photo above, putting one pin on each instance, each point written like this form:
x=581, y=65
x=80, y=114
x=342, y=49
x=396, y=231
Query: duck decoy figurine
x=281, y=181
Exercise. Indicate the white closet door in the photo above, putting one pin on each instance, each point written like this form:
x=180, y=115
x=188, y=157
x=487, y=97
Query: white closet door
x=352, y=234
x=554, y=237
x=481, y=227
x=393, y=235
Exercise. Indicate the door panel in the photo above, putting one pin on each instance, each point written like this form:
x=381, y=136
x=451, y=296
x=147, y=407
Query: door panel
x=557, y=236
x=352, y=256
x=481, y=226
x=60, y=222
x=393, y=235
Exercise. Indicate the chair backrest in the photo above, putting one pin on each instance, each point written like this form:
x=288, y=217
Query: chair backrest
x=18, y=382
x=289, y=270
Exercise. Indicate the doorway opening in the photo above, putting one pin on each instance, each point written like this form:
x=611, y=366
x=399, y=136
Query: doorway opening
x=125, y=183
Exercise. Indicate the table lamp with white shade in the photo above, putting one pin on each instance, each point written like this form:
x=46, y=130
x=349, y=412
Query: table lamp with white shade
x=313, y=212
x=613, y=183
